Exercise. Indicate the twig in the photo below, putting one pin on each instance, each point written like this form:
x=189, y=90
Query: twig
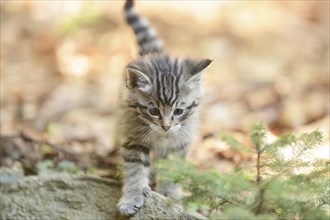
x=260, y=204
x=28, y=138
x=261, y=189
x=258, y=178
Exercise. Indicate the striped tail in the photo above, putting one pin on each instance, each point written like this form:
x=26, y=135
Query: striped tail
x=146, y=35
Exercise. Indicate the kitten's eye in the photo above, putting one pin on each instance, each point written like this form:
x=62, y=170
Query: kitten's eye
x=178, y=111
x=154, y=111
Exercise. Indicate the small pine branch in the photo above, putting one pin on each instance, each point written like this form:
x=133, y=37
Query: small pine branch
x=307, y=142
x=283, y=188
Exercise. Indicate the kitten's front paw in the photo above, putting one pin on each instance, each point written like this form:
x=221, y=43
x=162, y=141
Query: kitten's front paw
x=130, y=204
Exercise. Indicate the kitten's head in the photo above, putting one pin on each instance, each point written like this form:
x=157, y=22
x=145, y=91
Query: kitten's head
x=164, y=91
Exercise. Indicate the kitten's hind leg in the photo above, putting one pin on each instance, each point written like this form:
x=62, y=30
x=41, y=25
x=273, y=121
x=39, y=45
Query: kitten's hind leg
x=166, y=188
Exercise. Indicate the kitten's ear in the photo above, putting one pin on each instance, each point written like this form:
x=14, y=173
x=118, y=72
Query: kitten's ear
x=195, y=69
x=136, y=79
x=199, y=65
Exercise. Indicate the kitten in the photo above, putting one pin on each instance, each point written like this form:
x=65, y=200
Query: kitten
x=157, y=112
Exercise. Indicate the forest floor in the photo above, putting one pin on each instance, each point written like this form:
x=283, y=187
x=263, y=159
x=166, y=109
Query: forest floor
x=62, y=66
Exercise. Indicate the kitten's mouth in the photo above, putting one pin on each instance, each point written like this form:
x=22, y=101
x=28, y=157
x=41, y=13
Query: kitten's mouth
x=165, y=133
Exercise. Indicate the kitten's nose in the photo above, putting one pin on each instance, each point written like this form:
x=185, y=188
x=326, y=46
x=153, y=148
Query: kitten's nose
x=166, y=127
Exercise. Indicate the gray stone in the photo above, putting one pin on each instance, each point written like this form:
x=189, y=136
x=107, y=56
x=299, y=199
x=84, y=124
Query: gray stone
x=62, y=196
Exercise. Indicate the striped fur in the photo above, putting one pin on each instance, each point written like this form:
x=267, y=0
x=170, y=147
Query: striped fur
x=157, y=113
x=146, y=35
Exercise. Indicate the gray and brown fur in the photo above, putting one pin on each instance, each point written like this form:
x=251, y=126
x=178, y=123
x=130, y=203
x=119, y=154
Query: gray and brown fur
x=154, y=81
x=147, y=36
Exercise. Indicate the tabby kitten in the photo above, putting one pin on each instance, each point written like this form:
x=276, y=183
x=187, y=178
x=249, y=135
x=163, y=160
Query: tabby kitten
x=157, y=112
